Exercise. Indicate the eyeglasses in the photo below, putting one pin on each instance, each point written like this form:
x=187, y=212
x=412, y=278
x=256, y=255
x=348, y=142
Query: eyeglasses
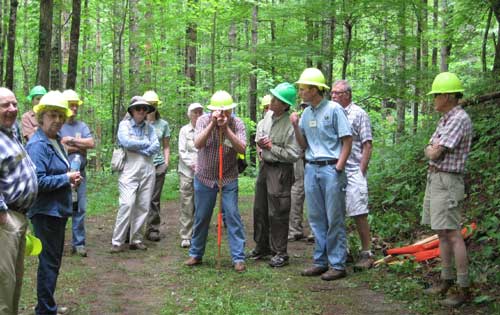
x=141, y=108
x=339, y=92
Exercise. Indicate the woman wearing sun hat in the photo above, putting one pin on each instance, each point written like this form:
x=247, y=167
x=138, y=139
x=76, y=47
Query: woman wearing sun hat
x=52, y=207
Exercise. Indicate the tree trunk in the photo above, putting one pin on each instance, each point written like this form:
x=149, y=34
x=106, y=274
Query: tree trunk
x=485, y=39
x=73, y=45
x=273, y=41
x=309, y=39
x=446, y=44
x=148, y=60
x=252, y=91
x=191, y=39
x=495, y=4
x=11, y=45
x=212, y=53
x=425, y=54
x=328, y=43
x=418, y=67
x=84, y=81
x=118, y=109
x=400, y=101
x=232, y=37
x=133, y=49
x=435, y=20
x=56, y=54
x=347, y=46
x=44, y=42
x=383, y=70
x=2, y=40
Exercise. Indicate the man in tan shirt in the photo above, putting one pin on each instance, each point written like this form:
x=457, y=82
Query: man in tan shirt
x=28, y=121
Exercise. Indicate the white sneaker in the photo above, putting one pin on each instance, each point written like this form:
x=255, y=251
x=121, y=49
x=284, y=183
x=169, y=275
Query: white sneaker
x=185, y=243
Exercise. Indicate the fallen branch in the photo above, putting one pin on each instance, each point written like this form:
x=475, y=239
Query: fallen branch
x=480, y=99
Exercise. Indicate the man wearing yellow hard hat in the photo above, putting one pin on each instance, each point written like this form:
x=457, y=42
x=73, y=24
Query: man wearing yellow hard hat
x=220, y=123
x=18, y=190
x=77, y=139
x=447, y=152
x=324, y=132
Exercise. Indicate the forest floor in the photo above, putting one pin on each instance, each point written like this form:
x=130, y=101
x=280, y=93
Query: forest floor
x=156, y=281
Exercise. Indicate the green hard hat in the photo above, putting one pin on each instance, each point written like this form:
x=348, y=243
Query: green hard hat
x=37, y=90
x=312, y=76
x=285, y=92
x=446, y=82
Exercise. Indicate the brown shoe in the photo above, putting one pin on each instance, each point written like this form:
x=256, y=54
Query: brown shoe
x=193, y=261
x=456, y=299
x=314, y=271
x=365, y=262
x=115, y=249
x=333, y=274
x=138, y=246
x=240, y=267
x=439, y=289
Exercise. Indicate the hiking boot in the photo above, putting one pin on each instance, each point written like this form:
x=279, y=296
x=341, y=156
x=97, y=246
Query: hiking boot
x=240, y=267
x=185, y=243
x=456, y=299
x=333, y=274
x=314, y=271
x=278, y=261
x=365, y=261
x=137, y=246
x=257, y=255
x=193, y=261
x=80, y=251
x=153, y=236
x=115, y=249
x=439, y=289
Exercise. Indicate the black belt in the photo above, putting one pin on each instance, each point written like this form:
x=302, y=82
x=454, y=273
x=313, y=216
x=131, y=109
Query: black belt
x=323, y=163
x=278, y=163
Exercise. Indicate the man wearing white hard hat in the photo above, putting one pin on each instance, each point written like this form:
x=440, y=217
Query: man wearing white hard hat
x=206, y=184
x=77, y=139
x=188, y=155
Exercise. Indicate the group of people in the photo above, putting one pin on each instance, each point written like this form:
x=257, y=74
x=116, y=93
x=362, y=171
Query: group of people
x=330, y=140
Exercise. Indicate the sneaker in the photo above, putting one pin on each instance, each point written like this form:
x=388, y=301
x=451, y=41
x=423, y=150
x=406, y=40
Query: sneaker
x=80, y=251
x=456, y=299
x=240, y=267
x=153, y=236
x=137, y=246
x=333, y=274
x=257, y=255
x=61, y=310
x=365, y=261
x=115, y=249
x=314, y=271
x=185, y=243
x=439, y=289
x=278, y=261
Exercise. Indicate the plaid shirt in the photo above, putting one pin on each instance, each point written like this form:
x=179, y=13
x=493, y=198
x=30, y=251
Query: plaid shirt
x=361, y=132
x=207, y=167
x=18, y=181
x=454, y=132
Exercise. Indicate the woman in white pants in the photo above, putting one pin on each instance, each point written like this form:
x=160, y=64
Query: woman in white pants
x=136, y=181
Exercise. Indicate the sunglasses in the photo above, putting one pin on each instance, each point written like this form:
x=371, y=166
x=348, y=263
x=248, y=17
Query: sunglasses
x=436, y=95
x=141, y=108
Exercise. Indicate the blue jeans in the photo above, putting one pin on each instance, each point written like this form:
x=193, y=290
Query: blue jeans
x=78, y=218
x=325, y=198
x=204, y=200
x=50, y=230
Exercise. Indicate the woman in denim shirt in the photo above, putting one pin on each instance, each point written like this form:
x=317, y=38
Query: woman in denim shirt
x=137, y=179
x=53, y=203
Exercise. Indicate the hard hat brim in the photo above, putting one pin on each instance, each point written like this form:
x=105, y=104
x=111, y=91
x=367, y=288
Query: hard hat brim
x=44, y=107
x=312, y=83
x=446, y=92
x=225, y=107
x=281, y=98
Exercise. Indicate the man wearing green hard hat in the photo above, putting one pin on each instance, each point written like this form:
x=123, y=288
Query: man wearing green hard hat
x=279, y=150
x=215, y=132
x=447, y=152
x=18, y=191
x=324, y=132
x=29, y=122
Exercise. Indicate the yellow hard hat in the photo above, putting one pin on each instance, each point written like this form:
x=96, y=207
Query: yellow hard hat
x=313, y=76
x=221, y=100
x=445, y=83
x=33, y=245
x=53, y=100
x=72, y=96
x=152, y=97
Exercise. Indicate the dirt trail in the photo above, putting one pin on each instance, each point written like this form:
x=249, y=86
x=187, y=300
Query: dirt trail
x=132, y=283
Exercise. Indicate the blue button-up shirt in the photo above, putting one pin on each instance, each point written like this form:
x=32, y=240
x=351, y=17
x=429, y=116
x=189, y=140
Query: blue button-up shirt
x=140, y=138
x=323, y=127
x=18, y=182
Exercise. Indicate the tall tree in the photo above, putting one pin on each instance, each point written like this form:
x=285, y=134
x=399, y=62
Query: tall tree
x=119, y=21
x=133, y=48
x=328, y=43
x=401, y=62
x=2, y=41
x=11, y=45
x=73, y=44
x=191, y=38
x=44, y=42
x=252, y=90
x=495, y=5
x=435, y=21
x=57, y=48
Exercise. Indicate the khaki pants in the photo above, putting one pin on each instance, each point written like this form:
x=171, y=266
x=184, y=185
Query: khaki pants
x=186, y=186
x=13, y=242
x=297, y=201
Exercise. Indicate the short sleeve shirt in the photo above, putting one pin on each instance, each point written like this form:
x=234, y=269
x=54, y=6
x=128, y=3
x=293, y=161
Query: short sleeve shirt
x=323, y=127
x=76, y=129
x=361, y=133
x=162, y=130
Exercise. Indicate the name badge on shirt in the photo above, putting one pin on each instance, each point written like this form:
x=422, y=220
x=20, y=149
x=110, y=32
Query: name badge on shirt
x=313, y=124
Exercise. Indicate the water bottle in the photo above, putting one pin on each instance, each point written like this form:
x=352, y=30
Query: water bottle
x=75, y=167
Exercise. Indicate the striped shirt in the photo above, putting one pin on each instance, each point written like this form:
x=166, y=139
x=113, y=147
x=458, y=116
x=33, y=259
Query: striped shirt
x=454, y=132
x=207, y=168
x=361, y=133
x=18, y=181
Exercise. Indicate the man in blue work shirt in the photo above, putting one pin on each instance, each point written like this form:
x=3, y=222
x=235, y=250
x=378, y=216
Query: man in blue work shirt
x=324, y=132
